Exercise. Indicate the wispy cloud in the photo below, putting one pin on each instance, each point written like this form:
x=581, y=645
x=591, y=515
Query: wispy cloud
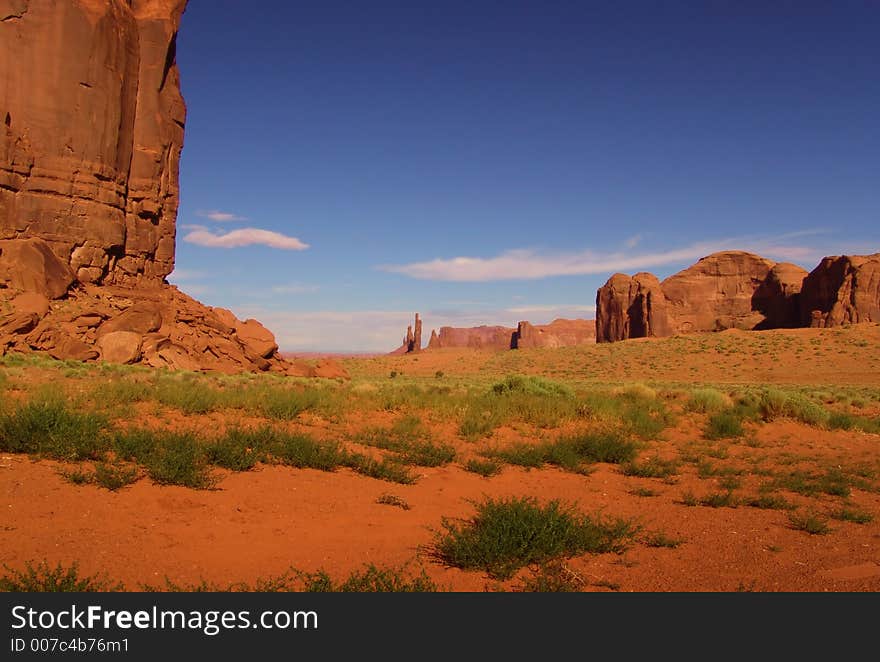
x=527, y=264
x=220, y=216
x=295, y=288
x=202, y=236
x=185, y=275
x=557, y=309
x=632, y=242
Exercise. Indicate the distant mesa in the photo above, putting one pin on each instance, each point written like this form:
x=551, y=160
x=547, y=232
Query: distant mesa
x=90, y=146
x=739, y=290
x=559, y=333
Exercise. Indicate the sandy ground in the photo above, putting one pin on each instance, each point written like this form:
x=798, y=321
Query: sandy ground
x=260, y=523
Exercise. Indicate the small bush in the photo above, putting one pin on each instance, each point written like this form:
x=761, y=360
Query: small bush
x=170, y=458
x=724, y=425
x=485, y=468
x=42, y=578
x=652, y=468
x=235, y=451
x=508, y=534
x=707, y=401
x=810, y=522
x=610, y=447
x=114, y=476
x=854, y=515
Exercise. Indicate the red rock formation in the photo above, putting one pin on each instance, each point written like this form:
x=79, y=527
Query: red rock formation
x=93, y=128
x=716, y=293
x=842, y=290
x=412, y=341
x=740, y=290
x=778, y=297
x=93, y=123
x=559, y=333
x=478, y=337
x=631, y=307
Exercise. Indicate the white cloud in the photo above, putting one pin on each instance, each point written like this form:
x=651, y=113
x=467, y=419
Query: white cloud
x=220, y=216
x=244, y=237
x=526, y=264
x=558, y=309
x=185, y=275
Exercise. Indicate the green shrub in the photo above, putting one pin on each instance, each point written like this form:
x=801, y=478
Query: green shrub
x=724, y=425
x=113, y=476
x=49, y=428
x=508, y=534
x=812, y=523
x=707, y=401
x=485, y=468
x=42, y=578
x=651, y=468
x=531, y=385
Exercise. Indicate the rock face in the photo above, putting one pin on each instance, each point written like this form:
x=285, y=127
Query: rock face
x=631, y=307
x=842, y=290
x=739, y=290
x=559, y=333
x=478, y=337
x=93, y=123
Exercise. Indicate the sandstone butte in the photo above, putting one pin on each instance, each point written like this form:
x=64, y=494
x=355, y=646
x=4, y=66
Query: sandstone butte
x=559, y=333
x=93, y=126
x=738, y=290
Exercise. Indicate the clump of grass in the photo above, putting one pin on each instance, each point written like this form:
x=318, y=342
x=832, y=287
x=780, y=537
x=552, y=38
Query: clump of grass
x=189, y=395
x=411, y=443
x=854, y=515
x=570, y=453
x=508, y=534
x=770, y=502
x=653, y=467
x=371, y=579
x=611, y=447
x=726, y=424
x=834, y=482
x=47, y=427
x=707, y=401
x=79, y=477
x=43, y=578
x=485, y=468
x=114, y=476
x=170, y=458
x=285, y=404
x=812, y=523
x=551, y=577
x=392, y=500
x=775, y=403
x=720, y=500
x=237, y=450
x=531, y=385
x=644, y=492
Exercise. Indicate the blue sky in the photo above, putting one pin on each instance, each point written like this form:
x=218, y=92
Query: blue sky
x=349, y=163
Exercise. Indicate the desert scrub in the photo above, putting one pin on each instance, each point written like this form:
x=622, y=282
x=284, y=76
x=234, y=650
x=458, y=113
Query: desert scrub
x=507, y=534
x=49, y=428
x=531, y=385
x=238, y=450
x=170, y=458
x=708, y=401
x=43, y=578
x=484, y=468
x=188, y=394
x=551, y=577
x=371, y=579
x=726, y=424
x=114, y=475
x=855, y=515
x=775, y=403
x=653, y=467
x=812, y=523
x=570, y=453
x=409, y=440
